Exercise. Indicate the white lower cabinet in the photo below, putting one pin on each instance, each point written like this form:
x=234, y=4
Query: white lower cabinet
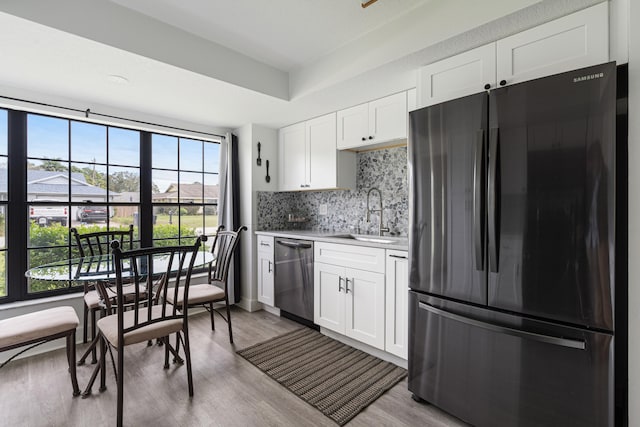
x=347, y=300
x=265, y=270
x=396, y=302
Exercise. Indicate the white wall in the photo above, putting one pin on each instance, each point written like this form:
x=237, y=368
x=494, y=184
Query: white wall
x=252, y=179
x=634, y=214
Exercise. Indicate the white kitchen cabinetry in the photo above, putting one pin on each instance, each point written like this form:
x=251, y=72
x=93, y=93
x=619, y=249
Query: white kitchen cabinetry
x=396, y=303
x=293, y=157
x=460, y=75
x=265, y=270
x=373, y=123
x=309, y=158
x=573, y=41
x=347, y=299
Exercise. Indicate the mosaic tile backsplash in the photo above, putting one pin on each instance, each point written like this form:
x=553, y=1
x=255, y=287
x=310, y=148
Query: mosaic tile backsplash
x=346, y=209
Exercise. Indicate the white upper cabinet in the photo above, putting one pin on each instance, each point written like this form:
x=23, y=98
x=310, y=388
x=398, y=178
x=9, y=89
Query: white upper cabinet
x=461, y=75
x=321, y=144
x=373, y=123
x=293, y=157
x=573, y=41
x=353, y=126
x=412, y=99
x=309, y=159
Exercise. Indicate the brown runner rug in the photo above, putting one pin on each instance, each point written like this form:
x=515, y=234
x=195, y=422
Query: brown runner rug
x=337, y=379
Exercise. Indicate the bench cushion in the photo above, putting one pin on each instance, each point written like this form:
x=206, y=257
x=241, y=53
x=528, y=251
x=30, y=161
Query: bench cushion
x=34, y=326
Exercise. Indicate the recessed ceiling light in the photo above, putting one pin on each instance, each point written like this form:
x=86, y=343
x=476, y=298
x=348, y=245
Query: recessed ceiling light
x=113, y=78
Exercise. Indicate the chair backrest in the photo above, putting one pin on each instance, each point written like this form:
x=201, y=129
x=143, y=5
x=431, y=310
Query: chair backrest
x=99, y=242
x=215, y=239
x=224, y=247
x=145, y=272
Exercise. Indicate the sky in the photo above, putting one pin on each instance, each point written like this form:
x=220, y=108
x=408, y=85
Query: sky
x=48, y=137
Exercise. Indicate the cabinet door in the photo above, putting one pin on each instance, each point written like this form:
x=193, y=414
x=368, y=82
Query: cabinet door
x=328, y=296
x=293, y=155
x=396, y=308
x=265, y=270
x=457, y=76
x=353, y=126
x=321, y=143
x=365, y=307
x=573, y=41
x=388, y=118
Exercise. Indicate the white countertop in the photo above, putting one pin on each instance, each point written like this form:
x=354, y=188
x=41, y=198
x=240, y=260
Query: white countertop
x=397, y=243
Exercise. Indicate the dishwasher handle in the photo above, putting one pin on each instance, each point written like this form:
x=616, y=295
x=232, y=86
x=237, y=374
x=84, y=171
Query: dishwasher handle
x=296, y=245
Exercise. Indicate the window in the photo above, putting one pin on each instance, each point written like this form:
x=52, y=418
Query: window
x=185, y=188
x=61, y=173
x=79, y=174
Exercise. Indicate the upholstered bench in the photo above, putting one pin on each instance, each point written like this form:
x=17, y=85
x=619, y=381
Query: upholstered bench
x=39, y=327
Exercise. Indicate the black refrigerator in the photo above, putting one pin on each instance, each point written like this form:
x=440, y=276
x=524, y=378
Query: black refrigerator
x=512, y=252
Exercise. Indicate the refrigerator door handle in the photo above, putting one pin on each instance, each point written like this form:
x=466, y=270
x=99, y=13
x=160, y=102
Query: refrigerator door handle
x=492, y=200
x=563, y=342
x=478, y=197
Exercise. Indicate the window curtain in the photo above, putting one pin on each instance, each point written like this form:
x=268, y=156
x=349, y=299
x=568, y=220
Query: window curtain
x=229, y=206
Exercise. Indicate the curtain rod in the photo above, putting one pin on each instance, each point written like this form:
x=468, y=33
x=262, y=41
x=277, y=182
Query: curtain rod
x=88, y=111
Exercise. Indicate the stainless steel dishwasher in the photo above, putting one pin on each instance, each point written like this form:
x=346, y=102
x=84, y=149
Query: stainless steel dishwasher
x=294, y=279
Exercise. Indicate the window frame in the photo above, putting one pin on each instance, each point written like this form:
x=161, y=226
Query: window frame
x=17, y=246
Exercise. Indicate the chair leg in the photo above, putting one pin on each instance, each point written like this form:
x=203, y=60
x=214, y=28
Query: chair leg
x=187, y=355
x=226, y=301
x=85, y=332
x=93, y=335
x=71, y=358
x=166, y=352
x=120, y=384
x=103, y=365
x=213, y=325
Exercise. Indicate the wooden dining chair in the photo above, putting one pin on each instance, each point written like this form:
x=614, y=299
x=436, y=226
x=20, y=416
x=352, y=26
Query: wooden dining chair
x=139, y=316
x=91, y=244
x=216, y=290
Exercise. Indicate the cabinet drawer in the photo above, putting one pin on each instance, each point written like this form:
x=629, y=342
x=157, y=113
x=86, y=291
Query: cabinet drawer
x=358, y=257
x=265, y=244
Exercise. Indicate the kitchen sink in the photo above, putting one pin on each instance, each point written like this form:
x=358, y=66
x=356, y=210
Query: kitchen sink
x=370, y=239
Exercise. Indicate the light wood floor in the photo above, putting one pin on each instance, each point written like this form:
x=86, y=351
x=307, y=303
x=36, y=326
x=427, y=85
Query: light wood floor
x=229, y=391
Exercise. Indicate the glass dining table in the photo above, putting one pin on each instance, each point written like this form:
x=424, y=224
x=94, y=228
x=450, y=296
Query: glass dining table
x=100, y=270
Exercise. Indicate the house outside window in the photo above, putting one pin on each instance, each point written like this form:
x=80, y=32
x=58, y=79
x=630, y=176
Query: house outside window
x=185, y=184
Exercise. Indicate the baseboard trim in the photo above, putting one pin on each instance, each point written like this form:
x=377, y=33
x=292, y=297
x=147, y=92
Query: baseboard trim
x=392, y=358
x=249, y=305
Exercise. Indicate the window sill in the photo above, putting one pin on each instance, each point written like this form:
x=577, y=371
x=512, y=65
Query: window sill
x=40, y=301
x=196, y=278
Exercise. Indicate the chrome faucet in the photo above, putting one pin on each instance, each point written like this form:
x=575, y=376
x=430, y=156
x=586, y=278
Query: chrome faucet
x=381, y=229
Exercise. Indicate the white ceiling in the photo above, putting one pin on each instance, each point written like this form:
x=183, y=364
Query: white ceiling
x=285, y=34
x=211, y=64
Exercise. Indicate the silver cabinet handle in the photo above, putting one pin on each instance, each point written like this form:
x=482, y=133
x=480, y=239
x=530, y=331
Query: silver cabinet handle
x=270, y=268
x=346, y=289
x=340, y=288
x=398, y=256
x=265, y=244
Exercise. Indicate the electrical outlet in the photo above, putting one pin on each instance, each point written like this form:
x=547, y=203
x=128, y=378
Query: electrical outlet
x=323, y=209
